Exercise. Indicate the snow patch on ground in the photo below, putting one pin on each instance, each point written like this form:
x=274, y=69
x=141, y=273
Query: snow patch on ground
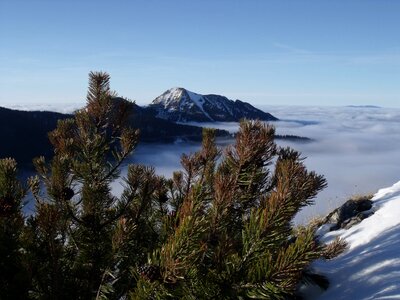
x=370, y=267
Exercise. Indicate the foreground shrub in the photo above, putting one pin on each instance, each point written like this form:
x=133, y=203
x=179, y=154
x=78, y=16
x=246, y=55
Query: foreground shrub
x=14, y=277
x=220, y=228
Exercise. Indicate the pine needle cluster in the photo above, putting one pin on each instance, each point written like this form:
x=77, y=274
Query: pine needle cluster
x=219, y=228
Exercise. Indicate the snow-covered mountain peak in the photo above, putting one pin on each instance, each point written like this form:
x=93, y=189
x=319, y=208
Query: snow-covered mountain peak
x=177, y=94
x=168, y=96
x=180, y=105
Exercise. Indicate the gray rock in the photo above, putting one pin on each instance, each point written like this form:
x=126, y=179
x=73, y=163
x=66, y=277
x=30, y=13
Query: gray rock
x=355, y=220
x=350, y=213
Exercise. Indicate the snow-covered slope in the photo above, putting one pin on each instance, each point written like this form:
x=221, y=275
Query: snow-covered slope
x=370, y=268
x=181, y=105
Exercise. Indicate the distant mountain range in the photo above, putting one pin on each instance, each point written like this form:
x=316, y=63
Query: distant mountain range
x=181, y=105
x=24, y=134
x=364, y=106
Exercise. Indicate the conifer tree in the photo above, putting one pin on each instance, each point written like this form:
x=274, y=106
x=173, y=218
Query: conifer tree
x=219, y=228
x=78, y=216
x=231, y=234
x=14, y=277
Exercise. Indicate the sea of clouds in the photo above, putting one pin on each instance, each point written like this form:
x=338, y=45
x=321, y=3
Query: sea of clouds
x=65, y=108
x=357, y=149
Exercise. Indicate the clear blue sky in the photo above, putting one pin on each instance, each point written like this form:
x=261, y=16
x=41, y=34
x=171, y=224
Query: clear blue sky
x=264, y=52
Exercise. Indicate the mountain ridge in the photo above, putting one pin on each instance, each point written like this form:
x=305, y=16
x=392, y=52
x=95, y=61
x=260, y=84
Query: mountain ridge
x=24, y=134
x=181, y=105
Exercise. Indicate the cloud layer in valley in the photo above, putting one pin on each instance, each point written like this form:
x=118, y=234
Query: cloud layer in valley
x=66, y=108
x=355, y=148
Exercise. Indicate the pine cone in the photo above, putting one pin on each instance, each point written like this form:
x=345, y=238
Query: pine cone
x=163, y=198
x=213, y=239
x=172, y=215
x=5, y=206
x=67, y=193
x=150, y=272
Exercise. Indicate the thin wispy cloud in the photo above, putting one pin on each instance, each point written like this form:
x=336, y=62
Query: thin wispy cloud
x=294, y=54
x=355, y=148
x=291, y=49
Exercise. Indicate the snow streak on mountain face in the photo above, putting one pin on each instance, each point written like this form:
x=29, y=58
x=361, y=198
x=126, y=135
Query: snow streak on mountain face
x=175, y=102
x=181, y=105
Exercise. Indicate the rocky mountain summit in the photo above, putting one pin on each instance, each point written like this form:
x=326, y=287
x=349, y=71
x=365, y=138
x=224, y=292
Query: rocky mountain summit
x=181, y=105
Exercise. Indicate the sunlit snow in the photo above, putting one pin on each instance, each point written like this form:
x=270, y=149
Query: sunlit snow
x=370, y=267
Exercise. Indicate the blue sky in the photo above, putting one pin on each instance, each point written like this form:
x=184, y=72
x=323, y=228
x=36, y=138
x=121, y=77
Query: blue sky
x=265, y=52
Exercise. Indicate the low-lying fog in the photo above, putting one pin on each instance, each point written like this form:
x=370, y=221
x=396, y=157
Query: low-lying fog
x=357, y=149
